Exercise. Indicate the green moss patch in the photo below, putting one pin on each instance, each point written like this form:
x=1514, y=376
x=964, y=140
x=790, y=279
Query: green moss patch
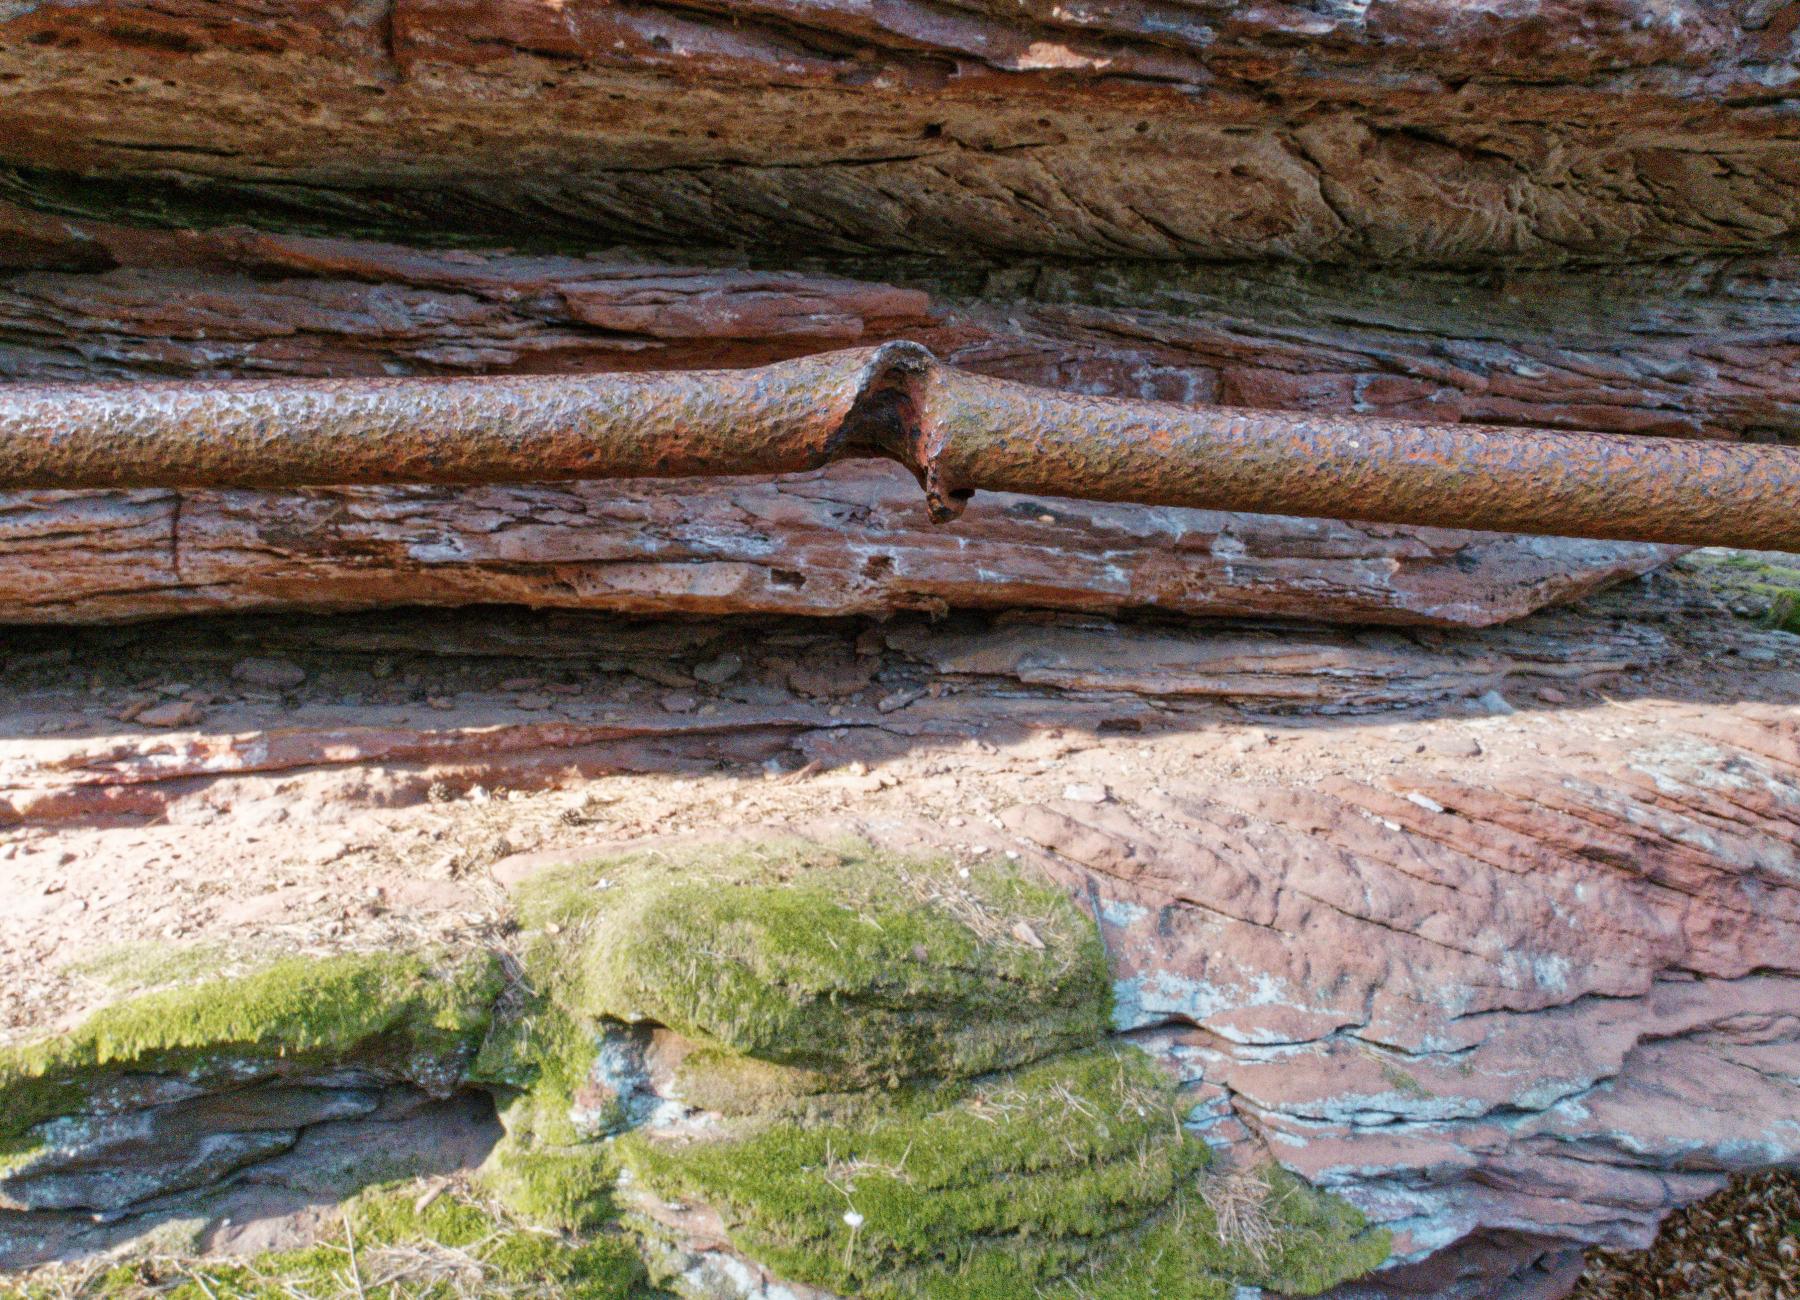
x=133, y=967
x=1291, y=1239
x=1766, y=584
x=1070, y=1177
x=803, y=973
x=393, y=1244
x=904, y=1064
x=415, y=1009
x=545, y=1170
x=547, y=1173
x=717, y=1080
x=841, y=960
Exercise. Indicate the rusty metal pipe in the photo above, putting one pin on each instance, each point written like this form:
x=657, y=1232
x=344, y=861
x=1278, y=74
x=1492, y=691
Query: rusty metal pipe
x=503, y=429
x=959, y=433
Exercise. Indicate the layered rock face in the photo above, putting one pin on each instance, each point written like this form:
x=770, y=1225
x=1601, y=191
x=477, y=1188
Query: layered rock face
x=1663, y=354
x=1545, y=1061
x=1460, y=932
x=1490, y=934
x=1454, y=213
x=1418, y=131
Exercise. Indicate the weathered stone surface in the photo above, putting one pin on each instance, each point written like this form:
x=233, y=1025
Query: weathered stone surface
x=1495, y=932
x=1548, y=130
x=260, y=1189
x=1513, y=980
x=1695, y=349
x=106, y=1162
x=850, y=540
x=800, y=686
x=1641, y=351
x=1316, y=671
x=1519, y=1013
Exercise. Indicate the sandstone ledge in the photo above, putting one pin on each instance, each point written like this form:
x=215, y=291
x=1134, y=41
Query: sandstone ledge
x=1490, y=933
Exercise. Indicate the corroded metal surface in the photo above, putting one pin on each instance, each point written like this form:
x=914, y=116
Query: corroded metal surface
x=958, y=432
x=988, y=433
x=275, y=433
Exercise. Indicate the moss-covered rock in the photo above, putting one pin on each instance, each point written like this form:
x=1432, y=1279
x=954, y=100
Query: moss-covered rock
x=1762, y=584
x=101, y=1090
x=423, y=1012
x=909, y=1058
x=841, y=960
x=407, y=1246
x=546, y=1173
x=1068, y=1177
x=798, y=969
x=889, y=1078
x=721, y=1081
x=548, y=1168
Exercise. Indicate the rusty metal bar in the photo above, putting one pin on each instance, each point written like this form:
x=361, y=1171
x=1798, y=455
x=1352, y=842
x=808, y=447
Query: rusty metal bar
x=959, y=433
x=286, y=433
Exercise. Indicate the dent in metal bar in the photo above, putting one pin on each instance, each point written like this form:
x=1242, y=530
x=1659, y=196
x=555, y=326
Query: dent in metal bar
x=957, y=432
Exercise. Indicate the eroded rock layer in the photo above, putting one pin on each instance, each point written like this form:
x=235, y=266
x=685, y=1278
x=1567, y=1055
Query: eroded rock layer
x=1416, y=131
x=1492, y=934
x=1704, y=352
x=1445, y=947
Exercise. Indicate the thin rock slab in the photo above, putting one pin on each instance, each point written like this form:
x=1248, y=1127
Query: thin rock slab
x=852, y=539
x=87, y=750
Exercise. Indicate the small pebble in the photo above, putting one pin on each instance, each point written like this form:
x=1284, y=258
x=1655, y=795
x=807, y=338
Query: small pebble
x=1495, y=703
x=1453, y=746
x=133, y=707
x=175, y=713
x=722, y=669
x=899, y=699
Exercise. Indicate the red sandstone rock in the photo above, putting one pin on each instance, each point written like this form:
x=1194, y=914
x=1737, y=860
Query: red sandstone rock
x=135, y=302
x=1702, y=350
x=1514, y=984
x=1514, y=972
x=1513, y=1014
x=1547, y=130
x=850, y=540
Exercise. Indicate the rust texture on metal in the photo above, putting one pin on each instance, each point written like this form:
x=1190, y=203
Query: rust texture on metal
x=282, y=433
x=959, y=433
